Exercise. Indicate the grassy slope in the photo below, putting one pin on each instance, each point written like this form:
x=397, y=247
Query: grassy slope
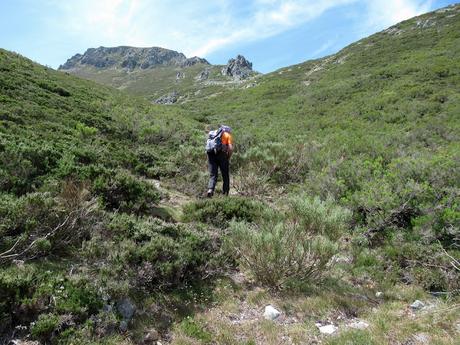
x=395, y=80
x=48, y=108
x=159, y=81
x=388, y=97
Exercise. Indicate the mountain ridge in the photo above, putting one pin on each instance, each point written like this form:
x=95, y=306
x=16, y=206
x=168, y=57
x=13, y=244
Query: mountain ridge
x=130, y=58
x=161, y=75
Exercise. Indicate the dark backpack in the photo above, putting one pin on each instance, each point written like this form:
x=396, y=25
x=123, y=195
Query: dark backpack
x=214, y=142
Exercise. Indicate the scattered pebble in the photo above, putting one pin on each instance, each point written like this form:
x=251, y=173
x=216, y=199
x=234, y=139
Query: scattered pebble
x=326, y=329
x=151, y=336
x=417, y=305
x=271, y=313
x=358, y=324
x=421, y=339
x=123, y=326
x=379, y=294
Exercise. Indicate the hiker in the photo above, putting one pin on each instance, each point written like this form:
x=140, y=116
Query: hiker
x=219, y=148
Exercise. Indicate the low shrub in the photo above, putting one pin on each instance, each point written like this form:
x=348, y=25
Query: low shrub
x=425, y=264
x=220, y=211
x=44, y=293
x=39, y=224
x=126, y=193
x=297, y=249
x=250, y=182
x=167, y=261
x=155, y=255
x=44, y=326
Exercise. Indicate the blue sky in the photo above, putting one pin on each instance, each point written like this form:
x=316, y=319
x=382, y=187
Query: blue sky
x=270, y=33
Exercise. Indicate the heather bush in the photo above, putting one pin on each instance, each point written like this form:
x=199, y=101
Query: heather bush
x=155, y=255
x=220, y=211
x=125, y=192
x=47, y=296
x=44, y=327
x=38, y=224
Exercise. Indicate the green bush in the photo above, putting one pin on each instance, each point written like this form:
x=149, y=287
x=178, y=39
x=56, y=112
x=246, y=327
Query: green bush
x=15, y=284
x=318, y=217
x=39, y=224
x=296, y=250
x=24, y=163
x=425, y=264
x=155, y=255
x=220, y=211
x=44, y=326
x=42, y=291
x=126, y=193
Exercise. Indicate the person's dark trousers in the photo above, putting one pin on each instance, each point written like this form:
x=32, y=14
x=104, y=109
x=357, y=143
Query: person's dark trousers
x=217, y=161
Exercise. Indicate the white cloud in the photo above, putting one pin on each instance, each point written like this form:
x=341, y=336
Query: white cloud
x=202, y=27
x=194, y=27
x=384, y=13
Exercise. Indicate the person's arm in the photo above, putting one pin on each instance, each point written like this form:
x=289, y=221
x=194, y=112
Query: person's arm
x=229, y=150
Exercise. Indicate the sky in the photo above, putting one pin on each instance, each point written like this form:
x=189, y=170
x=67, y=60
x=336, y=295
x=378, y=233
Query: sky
x=270, y=33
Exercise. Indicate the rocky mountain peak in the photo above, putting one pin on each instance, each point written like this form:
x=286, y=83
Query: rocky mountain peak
x=129, y=58
x=239, y=68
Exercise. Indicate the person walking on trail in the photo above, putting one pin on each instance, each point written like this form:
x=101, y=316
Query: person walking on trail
x=219, y=148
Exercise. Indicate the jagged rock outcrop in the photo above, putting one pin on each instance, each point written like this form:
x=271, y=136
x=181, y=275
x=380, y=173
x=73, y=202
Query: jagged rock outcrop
x=168, y=99
x=204, y=75
x=193, y=61
x=130, y=58
x=180, y=75
x=238, y=68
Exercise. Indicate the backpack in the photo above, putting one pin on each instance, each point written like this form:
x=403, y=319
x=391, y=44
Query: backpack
x=214, y=142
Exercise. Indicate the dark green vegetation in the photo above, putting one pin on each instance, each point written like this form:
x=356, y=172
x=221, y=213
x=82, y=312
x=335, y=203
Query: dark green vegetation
x=77, y=163
x=356, y=153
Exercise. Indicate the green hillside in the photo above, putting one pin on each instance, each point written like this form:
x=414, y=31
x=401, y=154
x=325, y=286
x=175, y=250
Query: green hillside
x=156, y=82
x=80, y=164
x=344, y=204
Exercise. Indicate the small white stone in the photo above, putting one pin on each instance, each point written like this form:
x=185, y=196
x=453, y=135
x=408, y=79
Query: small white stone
x=326, y=329
x=379, y=294
x=358, y=324
x=417, y=305
x=271, y=313
x=421, y=338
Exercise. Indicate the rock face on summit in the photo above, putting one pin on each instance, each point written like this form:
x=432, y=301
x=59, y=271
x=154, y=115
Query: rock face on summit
x=130, y=58
x=238, y=68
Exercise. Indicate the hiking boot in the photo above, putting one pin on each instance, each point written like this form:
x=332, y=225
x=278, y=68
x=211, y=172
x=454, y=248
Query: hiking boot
x=210, y=193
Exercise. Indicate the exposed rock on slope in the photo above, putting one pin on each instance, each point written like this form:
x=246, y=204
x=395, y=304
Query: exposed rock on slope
x=168, y=99
x=130, y=58
x=156, y=73
x=193, y=61
x=238, y=68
